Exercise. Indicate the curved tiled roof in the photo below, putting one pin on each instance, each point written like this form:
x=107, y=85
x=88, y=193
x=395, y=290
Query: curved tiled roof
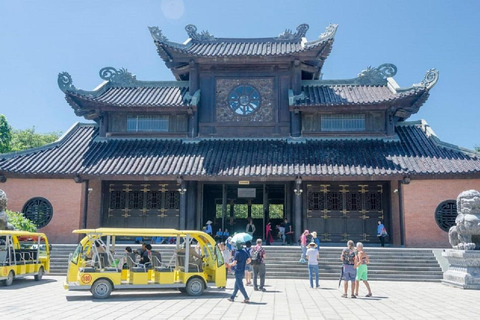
x=140, y=96
x=417, y=151
x=240, y=47
x=206, y=45
x=343, y=94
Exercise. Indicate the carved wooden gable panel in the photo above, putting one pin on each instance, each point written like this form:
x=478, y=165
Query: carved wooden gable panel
x=244, y=100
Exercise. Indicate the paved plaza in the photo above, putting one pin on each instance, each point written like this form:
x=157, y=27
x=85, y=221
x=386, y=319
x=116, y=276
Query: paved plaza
x=285, y=299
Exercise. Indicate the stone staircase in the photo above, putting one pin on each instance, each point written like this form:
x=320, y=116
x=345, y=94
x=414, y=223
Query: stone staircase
x=386, y=264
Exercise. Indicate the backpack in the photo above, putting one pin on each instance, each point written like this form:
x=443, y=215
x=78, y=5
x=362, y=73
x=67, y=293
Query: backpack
x=255, y=257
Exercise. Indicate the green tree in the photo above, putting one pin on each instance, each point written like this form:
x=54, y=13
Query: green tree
x=5, y=134
x=28, y=138
x=19, y=221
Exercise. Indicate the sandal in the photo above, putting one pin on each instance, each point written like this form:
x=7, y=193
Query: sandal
x=246, y=301
x=354, y=296
x=368, y=295
x=344, y=295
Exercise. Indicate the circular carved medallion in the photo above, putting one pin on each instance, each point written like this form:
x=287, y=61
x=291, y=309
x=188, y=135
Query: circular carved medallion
x=244, y=100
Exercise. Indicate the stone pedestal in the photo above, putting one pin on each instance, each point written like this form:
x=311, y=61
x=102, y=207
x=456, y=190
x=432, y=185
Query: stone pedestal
x=464, y=269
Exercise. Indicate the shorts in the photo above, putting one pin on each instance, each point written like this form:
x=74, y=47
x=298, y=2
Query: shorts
x=362, y=271
x=349, y=272
x=248, y=267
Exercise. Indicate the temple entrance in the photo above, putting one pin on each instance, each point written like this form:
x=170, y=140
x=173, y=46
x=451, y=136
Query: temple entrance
x=140, y=205
x=344, y=211
x=230, y=206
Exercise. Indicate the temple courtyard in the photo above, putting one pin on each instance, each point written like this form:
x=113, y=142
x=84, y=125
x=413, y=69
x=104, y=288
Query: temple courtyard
x=284, y=299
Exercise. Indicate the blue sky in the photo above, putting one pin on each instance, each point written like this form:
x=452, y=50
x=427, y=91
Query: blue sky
x=39, y=39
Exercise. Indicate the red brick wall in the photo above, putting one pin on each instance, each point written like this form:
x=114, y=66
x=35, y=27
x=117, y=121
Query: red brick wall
x=421, y=198
x=65, y=196
x=94, y=204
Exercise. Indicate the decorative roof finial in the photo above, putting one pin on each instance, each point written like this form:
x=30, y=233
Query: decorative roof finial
x=65, y=82
x=430, y=79
x=202, y=36
x=329, y=31
x=289, y=35
x=377, y=75
x=157, y=34
x=121, y=76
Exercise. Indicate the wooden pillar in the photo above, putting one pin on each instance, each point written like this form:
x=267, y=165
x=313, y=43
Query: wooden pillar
x=296, y=116
x=183, y=205
x=297, y=205
x=191, y=205
x=224, y=207
x=193, y=87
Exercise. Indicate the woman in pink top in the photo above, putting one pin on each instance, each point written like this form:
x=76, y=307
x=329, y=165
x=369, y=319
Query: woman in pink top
x=303, y=245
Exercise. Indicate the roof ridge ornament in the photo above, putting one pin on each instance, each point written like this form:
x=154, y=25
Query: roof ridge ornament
x=121, y=76
x=157, y=34
x=192, y=100
x=330, y=31
x=430, y=79
x=202, y=36
x=377, y=75
x=65, y=82
x=289, y=35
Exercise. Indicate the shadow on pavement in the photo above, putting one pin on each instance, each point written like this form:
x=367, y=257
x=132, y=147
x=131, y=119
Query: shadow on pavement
x=132, y=295
x=25, y=283
x=372, y=298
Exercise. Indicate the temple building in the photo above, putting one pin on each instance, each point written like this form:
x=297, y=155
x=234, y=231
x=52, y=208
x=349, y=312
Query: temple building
x=249, y=129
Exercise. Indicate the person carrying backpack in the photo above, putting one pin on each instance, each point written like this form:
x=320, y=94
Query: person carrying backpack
x=257, y=257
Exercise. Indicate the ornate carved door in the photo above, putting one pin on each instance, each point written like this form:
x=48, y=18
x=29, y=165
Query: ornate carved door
x=141, y=205
x=340, y=212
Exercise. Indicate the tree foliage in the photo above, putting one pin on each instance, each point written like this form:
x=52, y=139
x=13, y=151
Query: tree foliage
x=19, y=221
x=28, y=138
x=5, y=134
x=12, y=140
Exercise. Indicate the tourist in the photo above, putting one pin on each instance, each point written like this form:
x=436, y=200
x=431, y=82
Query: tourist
x=145, y=256
x=312, y=256
x=281, y=233
x=288, y=231
x=226, y=234
x=258, y=262
x=227, y=256
x=248, y=266
x=362, y=270
x=303, y=245
x=268, y=234
x=250, y=229
x=315, y=239
x=348, y=268
x=208, y=227
x=239, y=262
x=122, y=261
x=381, y=233
x=219, y=235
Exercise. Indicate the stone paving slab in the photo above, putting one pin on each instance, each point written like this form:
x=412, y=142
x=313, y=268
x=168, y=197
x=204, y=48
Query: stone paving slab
x=284, y=299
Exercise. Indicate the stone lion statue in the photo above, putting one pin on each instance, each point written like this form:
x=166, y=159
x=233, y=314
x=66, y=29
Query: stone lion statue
x=465, y=235
x=4, y=225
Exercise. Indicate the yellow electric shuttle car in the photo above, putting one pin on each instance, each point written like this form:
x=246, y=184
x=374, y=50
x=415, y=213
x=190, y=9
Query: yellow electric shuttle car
x=195, y=264
x=23, y=253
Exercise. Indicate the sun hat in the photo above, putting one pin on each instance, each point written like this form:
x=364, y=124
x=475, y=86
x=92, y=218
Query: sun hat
x=312, y=244
x=209, y=222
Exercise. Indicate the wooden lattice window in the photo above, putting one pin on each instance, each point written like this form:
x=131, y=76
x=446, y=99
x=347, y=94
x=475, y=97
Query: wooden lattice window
x=39, y=211
x=445, y=214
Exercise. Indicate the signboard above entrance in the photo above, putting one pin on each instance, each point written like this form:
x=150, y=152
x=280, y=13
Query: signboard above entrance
x=247, y=192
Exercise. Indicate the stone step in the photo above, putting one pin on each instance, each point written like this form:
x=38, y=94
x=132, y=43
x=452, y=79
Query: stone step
x=389, y=264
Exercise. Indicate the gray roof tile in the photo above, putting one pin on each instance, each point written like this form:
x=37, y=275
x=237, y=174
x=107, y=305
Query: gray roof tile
x=415, y=153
